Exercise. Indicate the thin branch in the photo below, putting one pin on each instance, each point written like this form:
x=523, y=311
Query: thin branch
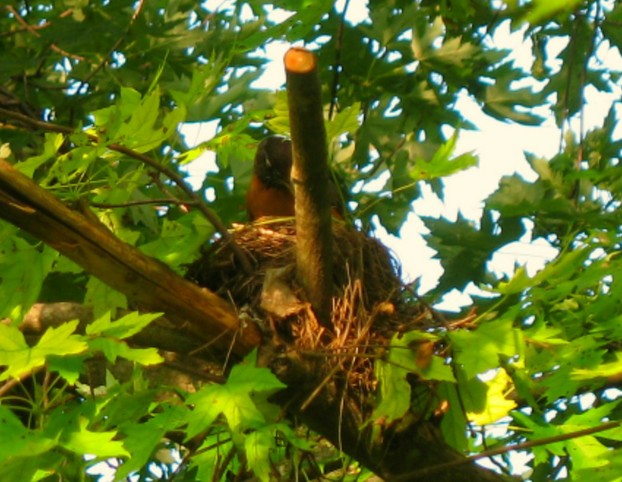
x=115, y=46
x=26, y=26
x=423, y=473
x=337, y=66
x=11, y=383
x=143, y=202
x=171, y=174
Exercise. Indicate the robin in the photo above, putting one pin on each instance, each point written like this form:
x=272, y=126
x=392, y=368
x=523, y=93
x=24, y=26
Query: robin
x=271, y=192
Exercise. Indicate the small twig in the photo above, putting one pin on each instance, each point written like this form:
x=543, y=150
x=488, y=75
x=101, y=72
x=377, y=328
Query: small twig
x=316, y=391
x=503, y=468
x=115, y=46
x=143, y=202
x=583, y=79
x=9, y=385
x=423, y=473
x=337, y=66
x=195, y=372
x=34, y=31
x=23, y=28
x=176, y=178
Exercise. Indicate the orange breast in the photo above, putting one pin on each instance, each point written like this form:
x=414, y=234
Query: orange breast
x=265, y=201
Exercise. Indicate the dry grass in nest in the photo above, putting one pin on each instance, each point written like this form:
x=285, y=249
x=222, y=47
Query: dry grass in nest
x=368, y=306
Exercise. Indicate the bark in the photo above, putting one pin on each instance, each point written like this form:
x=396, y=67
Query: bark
x=311, y=182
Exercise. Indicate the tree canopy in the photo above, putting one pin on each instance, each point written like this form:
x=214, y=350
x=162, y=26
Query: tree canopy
x=99, y=222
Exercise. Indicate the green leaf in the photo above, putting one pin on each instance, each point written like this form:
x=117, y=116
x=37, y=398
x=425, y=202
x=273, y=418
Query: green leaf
x=442, y=164
x=541, y=10
x=278, y=122
x=405, y=351
x=206, y=405
x=86, y=442
x=17, y=441
x=503, y=102
x=142, y=439
x=453, y=424
x=464, y=248
x=516, y=197
x=610, y=26
x=103, y=298
x=113, y=349
x=52, y=144
x=604, y=371
x=60, y=341
x=140, y=132
x=248, y=378
x=345, y=122
x=180, y=240
x=519, y=282
x=19, y=287
x=258, y=446
x=122, y=328
x=394, y=391
x=213, y=449
x=69, y=368
x=608, y=471
x=233, y=399
x=454, y=52
x=12, y=343
x=478, y=351
x=21, y=359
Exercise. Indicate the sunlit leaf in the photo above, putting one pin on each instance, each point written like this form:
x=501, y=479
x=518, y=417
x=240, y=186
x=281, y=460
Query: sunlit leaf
x=478, y=351
x=124, y=327
x=22, y=359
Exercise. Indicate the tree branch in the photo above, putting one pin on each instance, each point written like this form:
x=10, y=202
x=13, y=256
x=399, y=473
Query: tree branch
x=436, y=469
x=160, y=334
x=33, y=31
x=311, y=181
x=146, y=282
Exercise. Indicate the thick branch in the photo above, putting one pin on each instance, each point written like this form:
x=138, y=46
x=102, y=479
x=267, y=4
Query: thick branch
x=311, y=180
x=147, y=282
x=160, y=334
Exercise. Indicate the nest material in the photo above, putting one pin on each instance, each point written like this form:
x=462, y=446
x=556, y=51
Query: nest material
x=271, y=245
x=368, y=306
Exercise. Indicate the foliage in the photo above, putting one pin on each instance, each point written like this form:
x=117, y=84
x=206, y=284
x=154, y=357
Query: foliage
x=540, y=357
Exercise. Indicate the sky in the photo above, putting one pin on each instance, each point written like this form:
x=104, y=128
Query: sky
x=501, y=149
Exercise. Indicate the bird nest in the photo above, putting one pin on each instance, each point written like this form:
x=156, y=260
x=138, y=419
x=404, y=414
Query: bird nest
x=369, y=304
x=270, y=245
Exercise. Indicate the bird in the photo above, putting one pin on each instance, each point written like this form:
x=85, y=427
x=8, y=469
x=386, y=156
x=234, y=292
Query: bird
x=271, y=191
